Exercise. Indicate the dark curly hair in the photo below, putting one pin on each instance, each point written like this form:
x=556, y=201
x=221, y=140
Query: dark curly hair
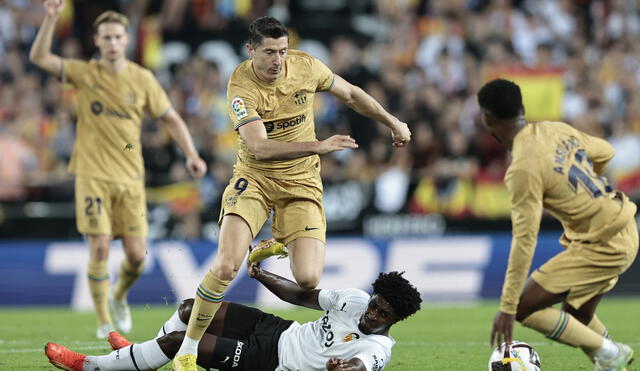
x=502, y=98
x=397, y=291
x=265, y=27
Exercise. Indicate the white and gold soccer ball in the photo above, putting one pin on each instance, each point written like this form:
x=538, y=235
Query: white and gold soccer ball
x=519, y=356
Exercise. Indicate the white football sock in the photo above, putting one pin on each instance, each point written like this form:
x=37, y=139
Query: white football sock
x=608, y=350
x=189, y=346
x=145, y=356
x=152, y=354
x=173, y=324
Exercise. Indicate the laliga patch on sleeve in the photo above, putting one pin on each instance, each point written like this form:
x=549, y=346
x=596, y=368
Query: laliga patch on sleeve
x=237, y=104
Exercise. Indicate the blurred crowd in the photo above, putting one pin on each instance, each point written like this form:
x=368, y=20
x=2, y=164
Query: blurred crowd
x=577, y=61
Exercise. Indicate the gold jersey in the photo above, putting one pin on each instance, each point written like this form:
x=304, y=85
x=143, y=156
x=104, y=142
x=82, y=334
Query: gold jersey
x=110, y=108
x=285, y=106
x=558, y=168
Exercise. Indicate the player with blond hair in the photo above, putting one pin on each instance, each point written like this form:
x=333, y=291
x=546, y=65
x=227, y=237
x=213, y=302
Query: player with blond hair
x=112, y=97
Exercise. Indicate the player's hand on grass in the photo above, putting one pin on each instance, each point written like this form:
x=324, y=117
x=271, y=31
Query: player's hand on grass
x=196, y=166
x=53, y=7
x=502, y=329
x=400, y=133
x=336, y=143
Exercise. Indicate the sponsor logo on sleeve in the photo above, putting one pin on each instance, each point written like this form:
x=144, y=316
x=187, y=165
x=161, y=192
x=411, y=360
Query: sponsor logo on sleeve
x=237, y=104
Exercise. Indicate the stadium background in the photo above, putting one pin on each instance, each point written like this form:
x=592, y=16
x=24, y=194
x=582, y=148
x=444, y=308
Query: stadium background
x=437, y=209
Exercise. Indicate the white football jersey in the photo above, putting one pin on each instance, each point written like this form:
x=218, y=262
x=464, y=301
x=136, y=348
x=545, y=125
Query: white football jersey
x=309, y=346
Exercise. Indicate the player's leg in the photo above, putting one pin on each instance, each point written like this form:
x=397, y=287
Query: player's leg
x=98, y=278
x=243, y=214
x=299, y=222
x=93, y=219
x=307, y=261
x=130, y=269
x=535, y=311
x=587, y=315
x=129, y=214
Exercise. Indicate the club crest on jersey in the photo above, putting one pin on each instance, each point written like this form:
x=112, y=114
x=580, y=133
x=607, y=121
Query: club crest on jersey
x=300, y=97
x=352, y=336
x=238, y=107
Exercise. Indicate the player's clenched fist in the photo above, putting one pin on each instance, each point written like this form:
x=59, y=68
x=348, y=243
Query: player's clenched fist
x=400, y=133
x=336, y=143
x=53, y=7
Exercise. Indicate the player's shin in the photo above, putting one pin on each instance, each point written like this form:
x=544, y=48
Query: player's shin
x=596, y=325
x=209, y=296
x=560, y=326
x=98, y=277
x=128, y=275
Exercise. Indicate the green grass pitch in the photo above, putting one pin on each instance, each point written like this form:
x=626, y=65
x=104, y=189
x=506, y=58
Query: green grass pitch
x=436, y=338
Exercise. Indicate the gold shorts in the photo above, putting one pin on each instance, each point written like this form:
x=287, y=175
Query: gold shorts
x=587, y=269
x=116, y=209
x=296, y=205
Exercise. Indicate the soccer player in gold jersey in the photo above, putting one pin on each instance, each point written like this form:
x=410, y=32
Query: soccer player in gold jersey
x=112, y=97
x=270, y=101
x=558, y=168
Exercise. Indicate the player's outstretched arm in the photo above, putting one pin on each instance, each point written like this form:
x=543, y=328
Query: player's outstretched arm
x=285, y=289
x=254, y=135
x=179, y=132
x=364, y=104
x=40, y=53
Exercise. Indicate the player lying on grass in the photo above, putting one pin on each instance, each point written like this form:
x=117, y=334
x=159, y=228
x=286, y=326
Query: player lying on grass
x=352, y=334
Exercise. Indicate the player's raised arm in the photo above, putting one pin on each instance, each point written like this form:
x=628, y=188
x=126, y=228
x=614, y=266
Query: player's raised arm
x=364, y=104
x=254, y=135
x=179, y=132
x=285, y=289
x=40, y=53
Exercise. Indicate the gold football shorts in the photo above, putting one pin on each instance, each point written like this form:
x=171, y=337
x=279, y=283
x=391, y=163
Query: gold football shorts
x=296, y=205
x=586, y=269
x=116, y=209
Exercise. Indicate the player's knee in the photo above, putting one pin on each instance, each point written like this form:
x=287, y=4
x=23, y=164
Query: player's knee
x=184, y=310
x=170, y=343
x=225, y=269
x=308, y=282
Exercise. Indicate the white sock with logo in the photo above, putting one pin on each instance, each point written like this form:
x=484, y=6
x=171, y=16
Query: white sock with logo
x=173, y=324
x=145, y=356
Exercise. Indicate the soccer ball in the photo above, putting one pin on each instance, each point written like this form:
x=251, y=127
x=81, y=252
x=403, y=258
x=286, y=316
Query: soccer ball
x=518, y=357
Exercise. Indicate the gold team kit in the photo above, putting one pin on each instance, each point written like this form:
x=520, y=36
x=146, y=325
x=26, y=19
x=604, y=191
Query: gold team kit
x=107, y=158
x=292, y=189
x=559, y=168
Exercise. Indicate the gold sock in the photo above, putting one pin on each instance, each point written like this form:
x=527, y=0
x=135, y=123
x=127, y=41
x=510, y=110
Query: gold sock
x=560, y=326
x=208, y=298
x=128, y=275
x=599, y=327
x=98, y=276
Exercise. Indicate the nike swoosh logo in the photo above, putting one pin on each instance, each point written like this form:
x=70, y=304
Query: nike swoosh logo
x=309, y=229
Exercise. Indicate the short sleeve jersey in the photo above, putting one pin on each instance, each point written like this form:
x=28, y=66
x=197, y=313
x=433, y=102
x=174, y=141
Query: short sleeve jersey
x=309, y=346
x=285, y=107
x=110, y=108
x=558, y=168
